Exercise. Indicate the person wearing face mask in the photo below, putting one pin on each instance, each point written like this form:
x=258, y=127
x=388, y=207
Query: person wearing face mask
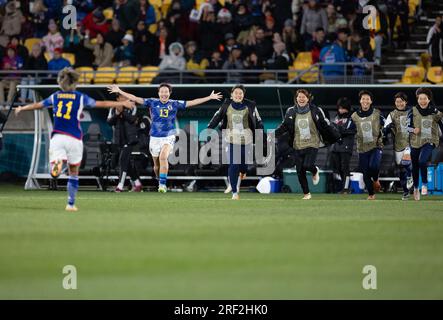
x=342, y=150
x=240, y=118
x=424, y=123
x=308, y=129
x=369, y=122
x=397, y=124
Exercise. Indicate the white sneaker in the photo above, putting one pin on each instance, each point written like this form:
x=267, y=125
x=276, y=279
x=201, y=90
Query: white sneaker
x=409, y=183
x=416, y=194
x=235, y=196
x=307, y=196
x=162, y=188
x=228, y=189
x=72, y=208
x=424, y=190
x=316, y=177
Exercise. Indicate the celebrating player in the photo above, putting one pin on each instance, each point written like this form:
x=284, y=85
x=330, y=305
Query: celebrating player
x=66, y=142
x=397, y=124
x=424, y=121
x=163, y=114
x=369, y=122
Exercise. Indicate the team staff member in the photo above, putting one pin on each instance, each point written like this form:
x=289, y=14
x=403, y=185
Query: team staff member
x=369, y=122
x=240, y=117
x=424, y=122
x=308, y=128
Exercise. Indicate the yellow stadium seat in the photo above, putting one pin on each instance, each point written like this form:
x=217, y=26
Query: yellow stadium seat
x=414, y=75
x=70, y=57
x=304, y=62
x=47, y=56
x=86, y=74
x=105, y=75
x=108, y=13
x=435, y=74
x=29, y=43
x=127, y=75
x=147, y=74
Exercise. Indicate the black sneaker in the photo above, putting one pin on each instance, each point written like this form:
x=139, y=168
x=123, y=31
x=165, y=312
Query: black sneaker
x=405, y=196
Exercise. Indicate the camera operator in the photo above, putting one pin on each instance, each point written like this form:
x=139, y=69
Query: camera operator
x=125, y=136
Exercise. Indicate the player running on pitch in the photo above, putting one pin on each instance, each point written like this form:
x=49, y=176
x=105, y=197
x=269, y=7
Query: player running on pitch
x=163, y=114
x=66, y=144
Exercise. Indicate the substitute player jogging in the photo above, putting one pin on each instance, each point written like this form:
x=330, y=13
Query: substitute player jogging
x=397, y=124
x=163, y=114
x=66, y=143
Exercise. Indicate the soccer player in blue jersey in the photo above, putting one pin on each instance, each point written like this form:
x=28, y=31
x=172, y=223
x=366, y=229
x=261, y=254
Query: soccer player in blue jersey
x=66, y=141
x=163, y=114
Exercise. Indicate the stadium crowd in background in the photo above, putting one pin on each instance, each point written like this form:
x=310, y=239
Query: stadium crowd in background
x=230, y=34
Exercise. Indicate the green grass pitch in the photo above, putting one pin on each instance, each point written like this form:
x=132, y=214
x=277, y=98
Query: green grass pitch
x=205, y=246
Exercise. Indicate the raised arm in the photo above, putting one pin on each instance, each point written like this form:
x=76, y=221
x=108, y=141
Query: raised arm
x=213, y=96
x=114, y=104
x=115, y=89
x=29, y=107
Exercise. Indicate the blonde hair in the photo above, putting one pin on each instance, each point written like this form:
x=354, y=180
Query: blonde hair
x=67, y=79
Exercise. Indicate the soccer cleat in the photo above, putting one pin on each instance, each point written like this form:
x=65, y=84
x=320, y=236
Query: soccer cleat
x=70, y=208
x=316, y=177
x=307, y=196
x=371, y=197
x=416, y=194
x=118, y=190
x=409, y=183
x=228, y=189
x=56, y=169
x=424, y=190
x=162, y=188
x=137, y=189
x=405, y=196
x=235, y=196
x=377, y=186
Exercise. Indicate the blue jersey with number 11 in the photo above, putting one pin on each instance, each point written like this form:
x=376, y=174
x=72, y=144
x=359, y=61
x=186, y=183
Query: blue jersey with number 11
x=67, y=108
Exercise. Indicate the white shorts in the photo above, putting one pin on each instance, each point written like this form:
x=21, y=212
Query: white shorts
x=399, y=155
x=156, y=144
x=66, y=148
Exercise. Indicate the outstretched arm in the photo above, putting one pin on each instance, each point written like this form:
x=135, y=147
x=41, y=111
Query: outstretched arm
x=115, y=89
x=29, y=107
x=213, y=96
x=114, y=104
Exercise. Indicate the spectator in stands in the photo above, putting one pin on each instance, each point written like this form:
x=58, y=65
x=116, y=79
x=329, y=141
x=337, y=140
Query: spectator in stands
x=225, y=24
x=174, y=60
x=262, y=45
x=215, y=63
x=194, y=59
x=124, y=54
x=342, y=150
x=181, y=27
x=20, y=49
x=54, y=8
x=147, y=12
x=297, y=10
x=141, y=29
x=127, y=12
x=279, y=61
x=76, y=46
x=229, y=44
x=39, y=18
x=53, y=39
x=57, y=63
x=269, y=27
x=252, y=62
x=313, y=17
x=360, y=68
x=27, y=28
x=210, y=36
x=290, y=38
x=36, y=61
x=10, y=62
x=11, y=25
x=164, y=41
x=234, y=62
x=242, y=19
x=435, y=42
x=333, y=53
x=96, y=23
x=318, y=44
x=399, y=8
x=102, y=50
x=145, y=50
x=116, y=34
x=335, y=20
